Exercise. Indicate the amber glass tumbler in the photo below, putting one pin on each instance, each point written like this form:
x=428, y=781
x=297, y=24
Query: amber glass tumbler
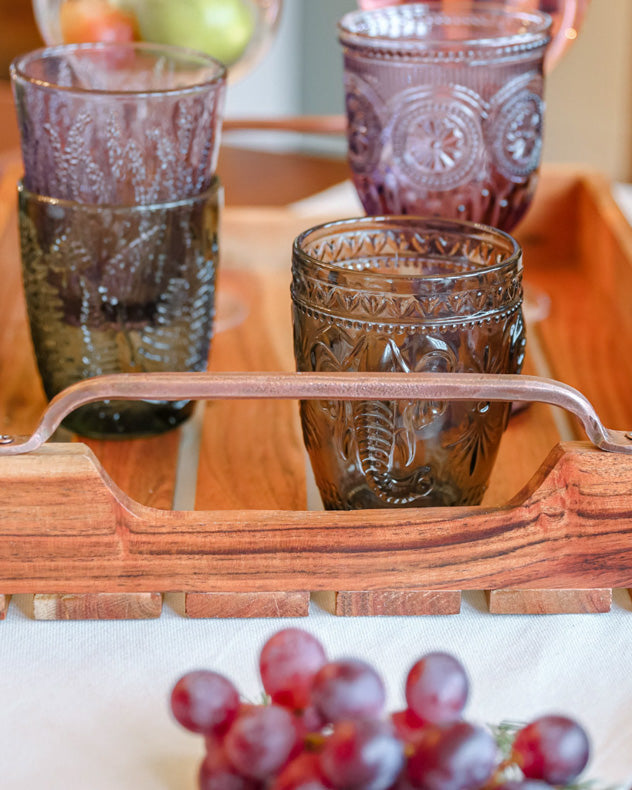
x=404, y=294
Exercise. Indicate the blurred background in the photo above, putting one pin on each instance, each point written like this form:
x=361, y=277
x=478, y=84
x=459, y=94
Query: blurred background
x=589, y=94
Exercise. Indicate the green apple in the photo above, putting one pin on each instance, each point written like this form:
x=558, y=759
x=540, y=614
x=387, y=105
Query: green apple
x=221, y=28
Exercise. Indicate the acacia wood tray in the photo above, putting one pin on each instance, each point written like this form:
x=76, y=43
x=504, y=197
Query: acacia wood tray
x=218, y=509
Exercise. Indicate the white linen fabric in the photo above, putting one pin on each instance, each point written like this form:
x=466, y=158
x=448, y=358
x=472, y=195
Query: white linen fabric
x=85, y=704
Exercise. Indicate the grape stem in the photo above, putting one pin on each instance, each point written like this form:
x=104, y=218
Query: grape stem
x=314, y=741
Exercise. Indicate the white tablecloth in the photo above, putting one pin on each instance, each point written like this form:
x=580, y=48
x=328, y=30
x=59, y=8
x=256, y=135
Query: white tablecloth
x=84, y=705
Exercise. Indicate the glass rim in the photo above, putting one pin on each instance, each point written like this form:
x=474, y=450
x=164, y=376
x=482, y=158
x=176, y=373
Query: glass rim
x=178, y=54
x=65, y=203
x=398, y=222
x=537, y=24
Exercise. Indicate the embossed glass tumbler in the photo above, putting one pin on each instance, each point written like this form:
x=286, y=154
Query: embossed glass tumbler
x=119, y=218
x=445, y=109
x=405, y=294
x=118, y=124
x=119, y=289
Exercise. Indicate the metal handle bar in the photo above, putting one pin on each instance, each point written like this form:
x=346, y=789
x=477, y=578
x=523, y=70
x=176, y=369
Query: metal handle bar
x=319, y=386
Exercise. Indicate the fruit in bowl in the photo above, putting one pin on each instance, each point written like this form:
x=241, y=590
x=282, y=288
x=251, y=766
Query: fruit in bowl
x=236, y=32
x=323, y=727
x=96, y=20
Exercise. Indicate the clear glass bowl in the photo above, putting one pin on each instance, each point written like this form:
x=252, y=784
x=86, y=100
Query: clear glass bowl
x=237, y=32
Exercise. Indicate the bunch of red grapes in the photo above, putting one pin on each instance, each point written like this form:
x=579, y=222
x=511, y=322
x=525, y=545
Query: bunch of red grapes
x=324, y=728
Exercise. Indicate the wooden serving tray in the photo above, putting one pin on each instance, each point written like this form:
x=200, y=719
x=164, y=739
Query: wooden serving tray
x=218, y=509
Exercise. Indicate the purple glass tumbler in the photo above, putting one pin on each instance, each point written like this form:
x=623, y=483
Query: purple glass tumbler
x=119, y=218
x=445, y=109
x=118, y=124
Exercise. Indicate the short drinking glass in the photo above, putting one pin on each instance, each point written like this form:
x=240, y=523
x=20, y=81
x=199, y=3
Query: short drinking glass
x=119, y=289
x=118, y=124
x=403, y=294
x=119, y=217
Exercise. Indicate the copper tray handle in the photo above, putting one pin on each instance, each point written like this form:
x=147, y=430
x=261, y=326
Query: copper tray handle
x=302, y=124
x=320, y=386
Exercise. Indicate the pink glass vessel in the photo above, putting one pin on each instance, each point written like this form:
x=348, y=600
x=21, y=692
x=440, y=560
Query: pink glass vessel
x=567, y=16
x=445, y=109
x=118, y=124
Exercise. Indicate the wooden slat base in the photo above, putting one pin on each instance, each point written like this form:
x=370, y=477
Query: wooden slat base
x=397, y=602
x=97, y=606
x=549, y=601
x=265, y=604
x=4, y=605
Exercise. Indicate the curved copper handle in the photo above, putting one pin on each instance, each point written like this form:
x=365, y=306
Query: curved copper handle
x=304, y=124
x=329, y=386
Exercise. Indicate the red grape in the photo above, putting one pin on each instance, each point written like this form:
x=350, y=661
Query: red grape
x=260, y=741
x=309, y=720
x=288, y=662
x=456, y=756
x=348, y=689
x=325, y=729
x=363, y=754
x=204, y=702
x=437, y=688
x=303, y=773
x=407, y=725
x=216, y=773
x=552, y=748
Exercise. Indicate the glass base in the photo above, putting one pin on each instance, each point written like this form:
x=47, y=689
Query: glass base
x=127, y=419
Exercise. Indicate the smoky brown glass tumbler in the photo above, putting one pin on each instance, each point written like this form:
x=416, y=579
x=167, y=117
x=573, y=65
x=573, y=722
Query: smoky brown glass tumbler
x=127, y=289
x=403, y=294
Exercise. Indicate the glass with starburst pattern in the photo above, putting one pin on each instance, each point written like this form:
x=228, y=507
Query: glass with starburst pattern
x=445, y=108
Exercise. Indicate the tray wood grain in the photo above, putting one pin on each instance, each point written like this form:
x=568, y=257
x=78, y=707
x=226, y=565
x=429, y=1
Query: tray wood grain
x=66, y=527
x=96, y=518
